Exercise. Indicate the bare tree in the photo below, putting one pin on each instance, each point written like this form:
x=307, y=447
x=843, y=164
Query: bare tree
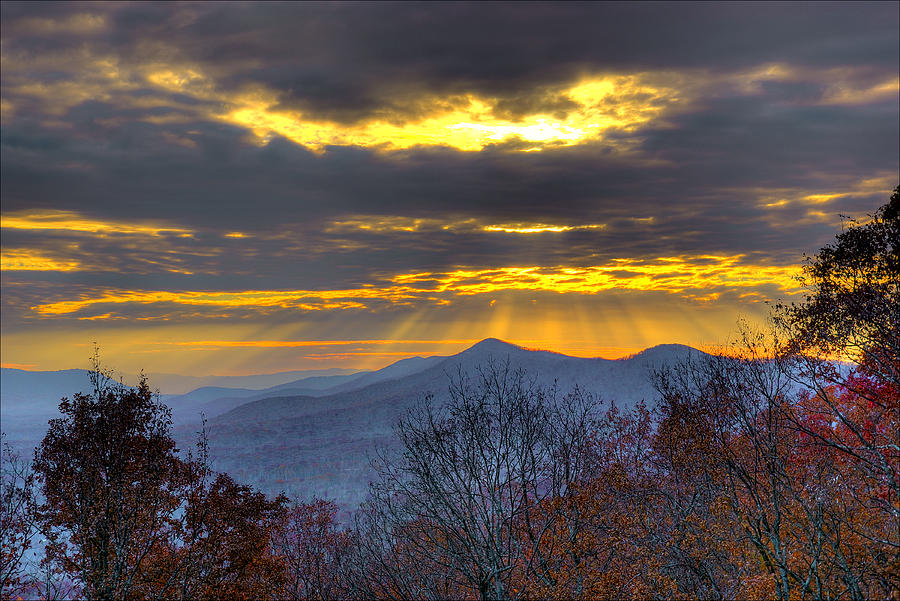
x=465, y=496
x=17, y=521
x=312, y=549
x=740, y=399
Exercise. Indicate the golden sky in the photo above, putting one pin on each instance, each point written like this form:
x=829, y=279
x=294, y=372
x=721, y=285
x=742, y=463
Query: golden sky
x=234, y=189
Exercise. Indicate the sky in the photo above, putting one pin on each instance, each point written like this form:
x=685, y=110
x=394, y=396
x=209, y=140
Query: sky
x=245, y=188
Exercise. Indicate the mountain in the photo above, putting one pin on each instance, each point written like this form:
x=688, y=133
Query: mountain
x=313, y=435
x=320, y=445
x=210, y=401
x=18, y=386
x=404, y=367
x=28, y=399
x=179, y=384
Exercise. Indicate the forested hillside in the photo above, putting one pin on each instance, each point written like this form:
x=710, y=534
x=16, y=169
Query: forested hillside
x=767, y=472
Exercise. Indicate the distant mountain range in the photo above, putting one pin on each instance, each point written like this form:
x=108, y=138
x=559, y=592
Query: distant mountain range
x=320, y=444
x=313, y=435
x=29, y=398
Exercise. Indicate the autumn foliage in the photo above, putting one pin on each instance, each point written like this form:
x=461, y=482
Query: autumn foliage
x=772, y=472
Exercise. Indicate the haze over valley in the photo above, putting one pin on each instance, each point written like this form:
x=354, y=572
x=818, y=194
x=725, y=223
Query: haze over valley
x=314, y=436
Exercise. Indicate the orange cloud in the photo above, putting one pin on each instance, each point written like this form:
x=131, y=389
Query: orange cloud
x=539, y=228
x=29, y=260
x=380, y=224
x=700, y=278
x=667, y=274
x=68, y=221
x=467, y=123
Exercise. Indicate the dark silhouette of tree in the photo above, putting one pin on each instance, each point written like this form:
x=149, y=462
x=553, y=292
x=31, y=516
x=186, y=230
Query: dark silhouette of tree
x=457, y=513
x=852, y=413
x=111, y=482
x=126, y=517
x=851, y=309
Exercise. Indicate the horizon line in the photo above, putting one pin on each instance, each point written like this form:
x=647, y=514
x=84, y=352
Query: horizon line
x=580, y=349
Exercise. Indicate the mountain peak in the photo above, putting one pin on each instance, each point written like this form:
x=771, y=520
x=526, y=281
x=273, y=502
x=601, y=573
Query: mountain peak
x=666, y=352
x=494, y=345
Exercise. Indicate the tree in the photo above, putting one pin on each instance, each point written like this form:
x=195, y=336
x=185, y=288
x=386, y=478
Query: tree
x=225, y=544
x=852, y=412
x=850, y=310
x=312, y=549
x=17, y=521
x=604, y=540
x=456, y=513
x=735, y=405
x=855, y=429
x=696, y=538
x=128, y=518
x=813, y=499
x=111, y=481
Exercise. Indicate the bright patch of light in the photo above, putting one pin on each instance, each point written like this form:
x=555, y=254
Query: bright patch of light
x=538, y=228
x=26, y=260
x=468, y=123
x=72, y=222
x=701, y=278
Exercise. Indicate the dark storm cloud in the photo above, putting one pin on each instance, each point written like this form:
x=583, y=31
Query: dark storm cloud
x=351, y=61
x=726, y=172
x=716, y=159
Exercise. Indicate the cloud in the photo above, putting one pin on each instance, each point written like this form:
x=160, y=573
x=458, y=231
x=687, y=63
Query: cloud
x=209, y=163
x=66, y=221
x=351, y=63
x=700, y=278
x=381, y=224
x=13, y=259
x=76, y=24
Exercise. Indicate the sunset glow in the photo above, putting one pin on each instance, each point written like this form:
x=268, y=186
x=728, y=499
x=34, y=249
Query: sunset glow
x=449, y=300
x=72, y=222
x=702, y=278
x=470, y=125
x=244, y=181
x=26, y=260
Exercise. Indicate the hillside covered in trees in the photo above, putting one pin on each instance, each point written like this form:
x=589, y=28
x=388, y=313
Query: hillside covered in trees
x=772, y=471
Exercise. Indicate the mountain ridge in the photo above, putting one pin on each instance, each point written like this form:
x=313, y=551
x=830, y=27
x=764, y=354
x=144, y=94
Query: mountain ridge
x=315, y=440
x=306, y=445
